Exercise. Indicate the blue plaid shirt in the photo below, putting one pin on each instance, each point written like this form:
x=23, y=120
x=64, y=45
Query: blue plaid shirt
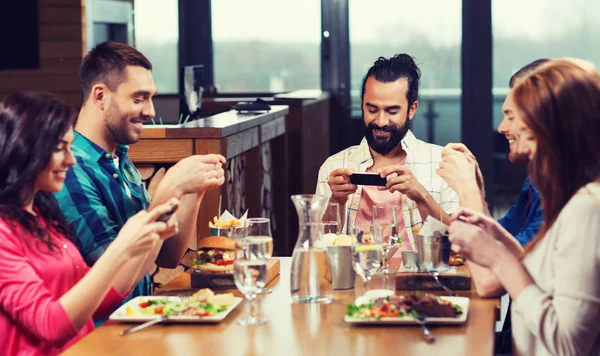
x=524, y=219
x=95, y=202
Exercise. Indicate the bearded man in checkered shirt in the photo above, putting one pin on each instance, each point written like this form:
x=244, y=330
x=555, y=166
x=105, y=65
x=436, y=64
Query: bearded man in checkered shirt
x=389, y=103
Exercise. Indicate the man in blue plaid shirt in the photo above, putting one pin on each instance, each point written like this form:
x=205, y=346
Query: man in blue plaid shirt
x=104, y=189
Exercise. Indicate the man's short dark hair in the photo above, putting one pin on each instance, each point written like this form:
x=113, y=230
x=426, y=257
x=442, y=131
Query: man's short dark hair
x=390, y=70
x=106, y=64
x=521, y=73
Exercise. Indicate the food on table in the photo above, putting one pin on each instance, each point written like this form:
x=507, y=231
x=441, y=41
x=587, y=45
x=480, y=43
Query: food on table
x=456, y=259
x=343, y=240
x=203, y=294
x=416, y=229
x=427, y=305
x=329, y=239
x=201, y=303
x=215, y=254
x=338, y=240
x=223, y=224
x=365, y=239
x=221, y=299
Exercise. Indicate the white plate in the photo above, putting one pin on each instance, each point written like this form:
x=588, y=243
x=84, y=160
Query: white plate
x=462, y=302
x=121, y=315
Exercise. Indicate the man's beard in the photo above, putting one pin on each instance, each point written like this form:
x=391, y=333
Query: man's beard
x=118, y=124
x=384, y=146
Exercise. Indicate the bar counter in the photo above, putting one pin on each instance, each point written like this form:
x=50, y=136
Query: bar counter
x=245, y=139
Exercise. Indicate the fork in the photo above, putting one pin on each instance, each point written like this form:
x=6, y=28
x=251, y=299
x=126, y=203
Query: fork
x=153, y=321
x=435, y=275
x=426, y=333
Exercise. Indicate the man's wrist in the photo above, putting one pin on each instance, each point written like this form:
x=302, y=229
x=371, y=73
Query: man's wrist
x=175, y=189
x=421, y=196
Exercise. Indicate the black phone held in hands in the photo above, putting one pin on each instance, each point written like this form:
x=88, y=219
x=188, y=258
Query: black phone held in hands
x=367, y=178
x=166, y=216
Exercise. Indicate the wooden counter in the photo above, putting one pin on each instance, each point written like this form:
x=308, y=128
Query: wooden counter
x=308, y=134
x=231, y=134
x=296, y=329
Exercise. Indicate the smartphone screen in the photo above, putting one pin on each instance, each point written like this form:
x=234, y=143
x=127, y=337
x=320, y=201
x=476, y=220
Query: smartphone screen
x=367, y=178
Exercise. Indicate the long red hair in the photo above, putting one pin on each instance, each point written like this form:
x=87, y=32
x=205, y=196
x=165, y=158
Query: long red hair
x=560, y=103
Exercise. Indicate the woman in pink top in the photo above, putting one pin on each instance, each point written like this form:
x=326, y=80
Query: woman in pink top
x=48, y=294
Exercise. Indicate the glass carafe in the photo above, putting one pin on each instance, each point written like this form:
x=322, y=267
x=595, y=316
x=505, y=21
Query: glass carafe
x=311, y=268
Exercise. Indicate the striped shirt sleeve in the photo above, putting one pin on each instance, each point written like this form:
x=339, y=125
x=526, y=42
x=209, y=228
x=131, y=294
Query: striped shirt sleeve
x=84, y=210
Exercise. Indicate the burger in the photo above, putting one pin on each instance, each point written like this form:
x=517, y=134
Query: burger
x=215, y=254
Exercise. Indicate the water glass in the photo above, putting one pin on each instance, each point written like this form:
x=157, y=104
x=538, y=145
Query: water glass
x=366, y=251
x=249, y=273
x=385, y=217
x=258, y=232
x=331, y=219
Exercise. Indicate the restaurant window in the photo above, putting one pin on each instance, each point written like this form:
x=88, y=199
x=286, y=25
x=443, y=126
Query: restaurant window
x=430, y=31
x=266, y=45
x=527, y=30
x=157, y=36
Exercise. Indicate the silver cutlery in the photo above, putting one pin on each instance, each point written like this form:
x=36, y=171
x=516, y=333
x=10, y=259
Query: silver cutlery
x=426, y=333
x=144, y=325
x=435, y=275
x=151, y=322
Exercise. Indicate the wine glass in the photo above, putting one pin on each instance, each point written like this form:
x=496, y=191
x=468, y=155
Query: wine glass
x=258, y=232
x=331, y=218
x=385, y=217
x=249, y=271
x=331, y=223
x=366, y=251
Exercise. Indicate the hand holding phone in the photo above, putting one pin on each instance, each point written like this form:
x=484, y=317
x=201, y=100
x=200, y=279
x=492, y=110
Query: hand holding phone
x=367, y=178
x=166, y=216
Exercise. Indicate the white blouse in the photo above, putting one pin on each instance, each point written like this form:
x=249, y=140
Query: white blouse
x=560, y=313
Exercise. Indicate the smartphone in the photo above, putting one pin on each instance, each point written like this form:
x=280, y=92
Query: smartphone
x=166, y=216
x=367, y=178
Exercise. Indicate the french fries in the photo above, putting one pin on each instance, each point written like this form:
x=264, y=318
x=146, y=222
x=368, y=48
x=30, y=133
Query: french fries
x=225, y=224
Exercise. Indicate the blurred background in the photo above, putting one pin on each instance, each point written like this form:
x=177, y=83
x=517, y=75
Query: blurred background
x=467, y=51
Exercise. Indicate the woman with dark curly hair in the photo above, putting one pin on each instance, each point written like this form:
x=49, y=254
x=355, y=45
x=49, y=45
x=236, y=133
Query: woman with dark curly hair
x=48, y=294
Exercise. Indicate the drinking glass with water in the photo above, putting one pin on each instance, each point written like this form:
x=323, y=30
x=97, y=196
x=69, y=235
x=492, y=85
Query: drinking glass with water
x=385, y=217
x=249, y=273
x=257, y=233
x=366, y=252
x=331, y=219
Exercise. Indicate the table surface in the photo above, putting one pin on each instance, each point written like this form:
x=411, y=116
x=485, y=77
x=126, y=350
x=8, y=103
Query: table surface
x=296, y=329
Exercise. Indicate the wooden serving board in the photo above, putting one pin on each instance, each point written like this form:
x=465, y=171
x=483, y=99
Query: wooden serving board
x=224, y=280
x=424, y=281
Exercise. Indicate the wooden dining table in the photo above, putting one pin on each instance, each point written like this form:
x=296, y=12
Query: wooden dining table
x=296, y=329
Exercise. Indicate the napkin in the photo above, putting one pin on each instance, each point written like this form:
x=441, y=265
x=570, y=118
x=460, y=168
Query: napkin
x=228, y=216
x=431, y=226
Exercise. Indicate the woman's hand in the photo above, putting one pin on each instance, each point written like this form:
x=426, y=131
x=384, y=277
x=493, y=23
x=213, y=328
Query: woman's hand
x=481, y=239
x=493, y=228
x=475, y=243
x=141, y=232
